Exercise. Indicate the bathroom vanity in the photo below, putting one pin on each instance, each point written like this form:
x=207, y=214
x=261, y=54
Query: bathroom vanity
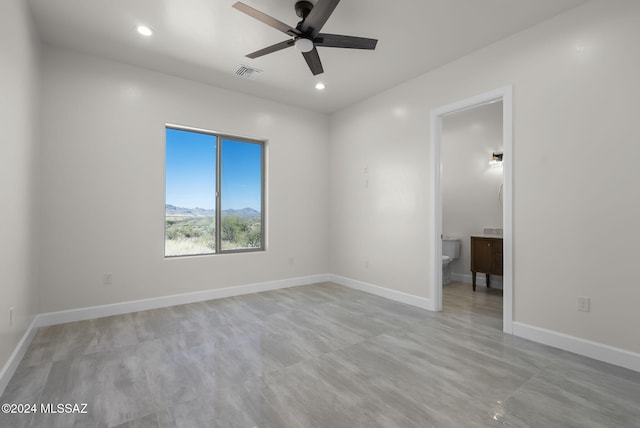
x=486, y=257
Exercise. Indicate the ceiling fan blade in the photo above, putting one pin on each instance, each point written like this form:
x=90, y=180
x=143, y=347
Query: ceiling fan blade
x=313, y=61
x=318, y=16
x=270, y=49
x=340, y=41
x=263, y=17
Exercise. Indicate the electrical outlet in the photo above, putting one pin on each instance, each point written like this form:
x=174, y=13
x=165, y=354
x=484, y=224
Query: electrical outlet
x=291, y=260
x=107, y=279
x=366, y=264
x=11, y=315
x=584, y=304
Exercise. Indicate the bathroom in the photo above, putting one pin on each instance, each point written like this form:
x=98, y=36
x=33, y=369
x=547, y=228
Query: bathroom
x=471, y=180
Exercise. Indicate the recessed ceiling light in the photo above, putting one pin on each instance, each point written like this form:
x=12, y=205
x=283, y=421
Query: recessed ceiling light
x=144, y=30
x=320, y=86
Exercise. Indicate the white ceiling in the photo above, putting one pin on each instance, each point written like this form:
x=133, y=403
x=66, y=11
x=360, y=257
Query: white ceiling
x=206, y=40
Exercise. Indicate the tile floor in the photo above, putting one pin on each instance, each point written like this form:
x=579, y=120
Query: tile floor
x=315, y=356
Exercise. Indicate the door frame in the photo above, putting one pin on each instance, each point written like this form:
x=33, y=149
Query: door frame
x=504, y=94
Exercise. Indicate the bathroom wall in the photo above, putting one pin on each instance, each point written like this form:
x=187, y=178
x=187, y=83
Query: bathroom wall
x=470, y=185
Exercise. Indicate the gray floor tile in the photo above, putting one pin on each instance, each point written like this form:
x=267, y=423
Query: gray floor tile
x=147, y=421
x=75, y=339
x=112, y=384
x=316, y=356
x=24, y=388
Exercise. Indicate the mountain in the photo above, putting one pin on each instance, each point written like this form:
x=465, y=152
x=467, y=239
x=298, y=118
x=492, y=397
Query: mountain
x=243, y=213
x=173, y=211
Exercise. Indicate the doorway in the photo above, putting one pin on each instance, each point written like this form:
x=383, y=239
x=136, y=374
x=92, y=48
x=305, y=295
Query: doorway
x=437, y=115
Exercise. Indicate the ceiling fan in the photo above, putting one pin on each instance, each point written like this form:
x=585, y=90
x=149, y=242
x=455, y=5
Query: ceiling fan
x=307, y=36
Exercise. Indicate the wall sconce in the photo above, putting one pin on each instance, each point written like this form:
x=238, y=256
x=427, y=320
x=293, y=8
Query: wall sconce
x=496, y=160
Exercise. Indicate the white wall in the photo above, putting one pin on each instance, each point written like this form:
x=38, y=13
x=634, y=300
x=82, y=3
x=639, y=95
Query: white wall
x=470, y=185
x=19, y=84
x=576, y=150
x=103, y=192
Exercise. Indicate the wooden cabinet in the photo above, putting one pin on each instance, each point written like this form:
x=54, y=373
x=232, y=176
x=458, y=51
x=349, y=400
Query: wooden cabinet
x=486, y=257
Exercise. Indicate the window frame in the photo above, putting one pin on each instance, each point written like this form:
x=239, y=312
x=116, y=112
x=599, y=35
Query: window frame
x=220, y=137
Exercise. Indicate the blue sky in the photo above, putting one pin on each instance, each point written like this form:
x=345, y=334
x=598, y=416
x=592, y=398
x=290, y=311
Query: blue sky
x=190, y=171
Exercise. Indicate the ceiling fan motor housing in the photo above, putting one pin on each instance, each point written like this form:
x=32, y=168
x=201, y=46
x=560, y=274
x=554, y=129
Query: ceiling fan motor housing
x=303, y=7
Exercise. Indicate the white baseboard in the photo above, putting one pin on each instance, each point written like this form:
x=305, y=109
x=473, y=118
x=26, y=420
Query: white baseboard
x=61, y=317
x=16, y=356
x=496, y=281
x=598, y=351
x=587, y=348
x=53, y=318
x=388, y=293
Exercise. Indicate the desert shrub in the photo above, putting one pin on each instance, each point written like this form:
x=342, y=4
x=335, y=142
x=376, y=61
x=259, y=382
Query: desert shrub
x=196, y=235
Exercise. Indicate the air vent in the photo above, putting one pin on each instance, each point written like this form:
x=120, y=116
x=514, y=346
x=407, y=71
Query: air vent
x=248, y=72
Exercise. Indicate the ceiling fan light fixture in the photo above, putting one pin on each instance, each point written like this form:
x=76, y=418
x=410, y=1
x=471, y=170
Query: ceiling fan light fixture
x=304, y=45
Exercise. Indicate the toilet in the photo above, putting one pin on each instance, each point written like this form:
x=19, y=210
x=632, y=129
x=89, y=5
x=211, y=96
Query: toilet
x=450, y=252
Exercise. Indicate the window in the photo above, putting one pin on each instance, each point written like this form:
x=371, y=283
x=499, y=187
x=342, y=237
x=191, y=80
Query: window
x=214, y=200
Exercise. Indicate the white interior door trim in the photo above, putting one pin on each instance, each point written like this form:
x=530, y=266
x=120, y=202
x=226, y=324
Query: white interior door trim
x=505, y=94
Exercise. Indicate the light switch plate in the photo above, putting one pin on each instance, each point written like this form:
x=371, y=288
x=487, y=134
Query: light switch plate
x=584, y=304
